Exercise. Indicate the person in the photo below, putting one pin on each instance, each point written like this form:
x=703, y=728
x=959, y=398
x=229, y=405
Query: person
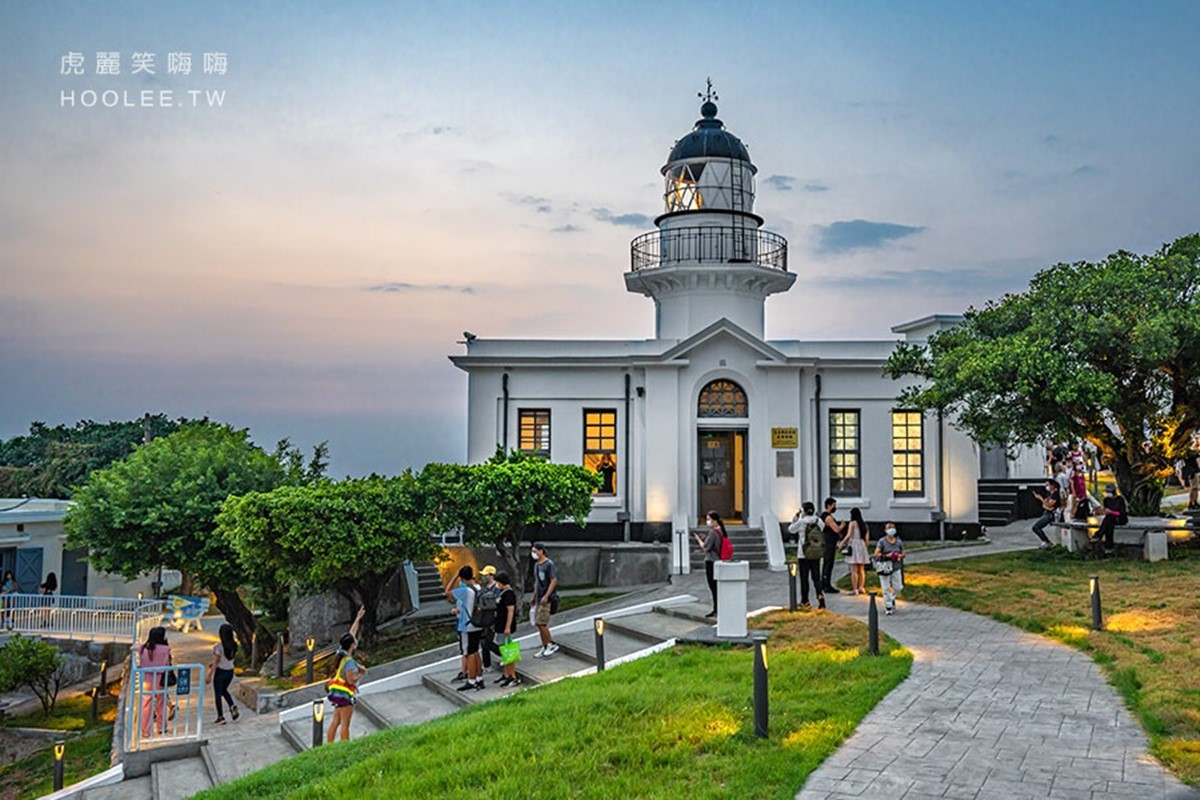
x=8, y=586
x=858, y=537
x=50, y=585
x=1050, y=503
x=343, y=686
x=832, y=531
x=1064, y=487
x=506, y=626
x=809, y=548
x=891, y=548
x=1115, y=513
x=155, y=652
x=545, y=598
x=608, y=475
x=1189, y=474
x=487, y=640
x=1081, y=507
x=221, y=671
x=464, y=591
x=711, y=545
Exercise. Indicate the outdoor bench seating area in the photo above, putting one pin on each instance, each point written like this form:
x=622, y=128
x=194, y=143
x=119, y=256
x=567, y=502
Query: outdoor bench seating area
x=1151, y=535
x=184, y=611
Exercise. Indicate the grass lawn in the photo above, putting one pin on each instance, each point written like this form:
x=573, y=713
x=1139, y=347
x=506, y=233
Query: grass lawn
x=412, y=641
x=1152, y=626
x=71, y=714
x=34, y=776
x=676, y=724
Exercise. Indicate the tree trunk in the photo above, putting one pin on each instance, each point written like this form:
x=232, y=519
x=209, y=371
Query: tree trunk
x=244, y=623
x=1140, y=485
x=187, y=585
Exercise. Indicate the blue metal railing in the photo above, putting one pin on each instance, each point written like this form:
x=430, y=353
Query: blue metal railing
x=102, y=619
x=157, y=712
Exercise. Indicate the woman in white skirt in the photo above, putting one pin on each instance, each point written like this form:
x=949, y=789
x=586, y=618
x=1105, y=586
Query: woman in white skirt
x=858, y=538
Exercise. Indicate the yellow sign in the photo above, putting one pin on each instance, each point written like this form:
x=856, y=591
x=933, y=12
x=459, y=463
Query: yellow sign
x=785, y=438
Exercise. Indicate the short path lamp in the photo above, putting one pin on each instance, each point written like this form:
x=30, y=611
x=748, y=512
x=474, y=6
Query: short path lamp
x=279, y=652
x=793, y=569
x=309, y=644
x=873, y=627
x=95, y=693
x=59, y=748
x=1094, y=586
x=598, y=628
x=318, y=731
x=254, y=651
x=760, y=687
x=103, y=677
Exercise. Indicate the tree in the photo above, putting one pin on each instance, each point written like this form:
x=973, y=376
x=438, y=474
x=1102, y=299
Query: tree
x=494, y=502
x=158, y=506
x=1105, y=352
x=33, y=663
x=352, y=536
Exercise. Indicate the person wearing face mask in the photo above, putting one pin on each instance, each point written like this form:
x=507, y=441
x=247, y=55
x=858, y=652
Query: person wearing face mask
x=889, y=558
x=545, y=598
x=1115, y=513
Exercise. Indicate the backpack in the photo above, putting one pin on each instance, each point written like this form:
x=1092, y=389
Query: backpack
x=814, y=541
x=726, y=548
x=483, y=612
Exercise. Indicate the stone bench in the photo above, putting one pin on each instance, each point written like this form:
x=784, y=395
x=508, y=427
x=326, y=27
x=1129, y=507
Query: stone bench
x=1150, y=534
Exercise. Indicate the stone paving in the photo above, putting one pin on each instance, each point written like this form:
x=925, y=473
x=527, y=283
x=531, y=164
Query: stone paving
x=990, y=712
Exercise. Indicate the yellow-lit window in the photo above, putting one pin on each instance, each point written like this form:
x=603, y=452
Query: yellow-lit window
x=534, y=427
x=845, y=473
x=908, y=446
x=600, y=446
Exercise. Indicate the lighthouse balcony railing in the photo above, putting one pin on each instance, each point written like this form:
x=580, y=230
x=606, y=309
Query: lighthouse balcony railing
x=702, y=244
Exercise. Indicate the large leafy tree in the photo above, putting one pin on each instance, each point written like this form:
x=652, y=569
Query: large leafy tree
x=158, y=507
x=352, y=536
x=496, y=501
x=52, y=461
x=1107, y=352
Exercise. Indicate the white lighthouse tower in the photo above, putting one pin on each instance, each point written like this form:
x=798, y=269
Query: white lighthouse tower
x=709, y=258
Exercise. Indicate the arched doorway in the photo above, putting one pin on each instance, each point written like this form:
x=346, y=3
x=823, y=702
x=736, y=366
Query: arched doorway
x=721, y=455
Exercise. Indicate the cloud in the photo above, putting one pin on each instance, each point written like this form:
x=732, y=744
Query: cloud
x=568, y=228
x=782, y=183
x=397, y=287
x=539, y=204
x=628, y=220
x=860, y=234
x=1087, y=169
x=813, y=186
x=990, y=279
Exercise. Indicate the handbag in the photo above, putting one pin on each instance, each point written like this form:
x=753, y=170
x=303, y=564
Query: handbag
x=846, y=550
x=883, y=566
x=510, y=651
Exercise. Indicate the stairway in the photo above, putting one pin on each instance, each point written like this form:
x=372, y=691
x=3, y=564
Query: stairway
x=749, y=544
x=429, y=584
x=998, y=501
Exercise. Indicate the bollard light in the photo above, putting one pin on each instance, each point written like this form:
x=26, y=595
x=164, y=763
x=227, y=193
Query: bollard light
x=139, y=595
x=59, y=748
x=760, y=687
x=793, y=569
x=1097, y=618
x=254, y=651
x=103, y=677
x=95, y=703
x=309, y=644
x=318, y=712
x=873, y=627
x=598, y=626
x=279, y=651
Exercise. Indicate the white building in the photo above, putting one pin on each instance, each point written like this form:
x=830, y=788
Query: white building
x=710, y=414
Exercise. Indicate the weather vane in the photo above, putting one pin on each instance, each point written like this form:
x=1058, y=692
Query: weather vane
x=709, y=95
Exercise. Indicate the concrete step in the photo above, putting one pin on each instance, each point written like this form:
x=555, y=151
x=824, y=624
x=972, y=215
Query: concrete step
x=299, y=732
x=445, y=685
x=179, y=779
x=544, y=670
x=408, y=706
x=229, y=759
x=616, y=644
x=692, y=612
x=653, y=627
x=132, y=789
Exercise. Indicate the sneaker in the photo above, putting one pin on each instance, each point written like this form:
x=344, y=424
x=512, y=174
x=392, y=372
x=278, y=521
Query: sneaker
x=820, y=603
x=233, y=712
x=832, y=590
x=516, y=681
x=806, y=606
x=468, y=686
x=219, y=721
x=551, y=649
x=461, y=676
x=500, y=680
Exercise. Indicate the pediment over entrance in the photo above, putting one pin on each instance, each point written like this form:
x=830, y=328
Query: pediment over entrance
x=723, y=328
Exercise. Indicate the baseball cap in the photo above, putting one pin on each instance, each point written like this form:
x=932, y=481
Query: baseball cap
x=488, y=570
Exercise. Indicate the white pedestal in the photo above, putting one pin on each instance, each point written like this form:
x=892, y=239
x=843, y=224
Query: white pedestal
x=1156, y=545
x=732, y=578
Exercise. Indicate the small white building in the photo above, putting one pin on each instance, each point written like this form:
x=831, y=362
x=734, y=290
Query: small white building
x=33, y=545
x=710, y=414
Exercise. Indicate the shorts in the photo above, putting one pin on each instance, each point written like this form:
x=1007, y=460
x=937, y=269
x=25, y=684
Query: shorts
x=337, y=701
x=541, y=614
x=1195, y=482
x=468, y=642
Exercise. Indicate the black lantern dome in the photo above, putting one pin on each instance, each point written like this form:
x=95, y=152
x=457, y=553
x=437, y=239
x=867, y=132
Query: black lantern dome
x=709, y=139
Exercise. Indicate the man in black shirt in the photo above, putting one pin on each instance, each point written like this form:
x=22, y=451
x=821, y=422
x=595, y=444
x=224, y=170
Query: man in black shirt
x=1050, y=502
x=832, y=531
x=1115, y=513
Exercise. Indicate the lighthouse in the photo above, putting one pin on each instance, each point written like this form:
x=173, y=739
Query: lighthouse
x=710, y=257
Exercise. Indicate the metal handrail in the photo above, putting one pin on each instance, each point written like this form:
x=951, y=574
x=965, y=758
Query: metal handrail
x=708, y=244
x=78, y=617
x=157, y=712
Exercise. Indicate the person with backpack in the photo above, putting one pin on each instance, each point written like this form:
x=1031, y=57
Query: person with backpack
x=714, y=547
x=489, y=594
x=342, y=688
x=809, y=548
x=465, y=596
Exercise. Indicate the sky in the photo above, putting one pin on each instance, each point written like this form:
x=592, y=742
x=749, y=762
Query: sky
x=294, y=238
